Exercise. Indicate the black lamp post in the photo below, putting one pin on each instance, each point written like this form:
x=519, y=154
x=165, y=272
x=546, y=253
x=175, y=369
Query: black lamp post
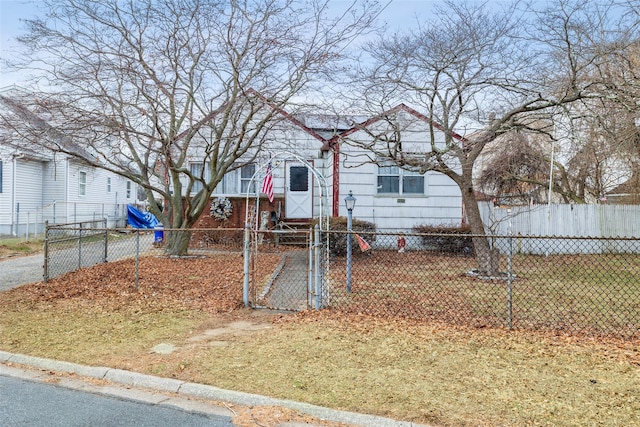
x=350, y=203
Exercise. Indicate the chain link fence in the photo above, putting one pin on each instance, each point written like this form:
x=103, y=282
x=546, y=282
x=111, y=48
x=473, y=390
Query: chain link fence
x=69, y=247
x=575, y=285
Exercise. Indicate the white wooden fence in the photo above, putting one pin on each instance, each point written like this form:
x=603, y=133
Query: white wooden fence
x=563, y=220
x=564, y=229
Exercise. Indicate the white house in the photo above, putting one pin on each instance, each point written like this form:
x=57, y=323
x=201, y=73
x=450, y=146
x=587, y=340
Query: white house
x=35, y=188
x=314, y=162
x=314, y=167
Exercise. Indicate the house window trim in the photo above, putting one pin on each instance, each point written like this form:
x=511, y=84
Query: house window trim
x=236, y=176
x=108, y=185
x=401, y=173
x=82, y=183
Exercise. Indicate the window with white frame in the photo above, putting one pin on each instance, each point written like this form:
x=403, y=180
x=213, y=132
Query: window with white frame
x=108, y=184
x=246, y=173
x=129, y=189
x=234, y=182
x=0, y=176
x=196, y=170
x=392, y=179
x=82, y=183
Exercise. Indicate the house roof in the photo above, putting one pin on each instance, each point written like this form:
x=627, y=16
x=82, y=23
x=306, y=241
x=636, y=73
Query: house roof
x=399, y=108
x=39, y=123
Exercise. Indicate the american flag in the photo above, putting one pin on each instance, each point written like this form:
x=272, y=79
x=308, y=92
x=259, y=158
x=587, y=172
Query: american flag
x=267, y=184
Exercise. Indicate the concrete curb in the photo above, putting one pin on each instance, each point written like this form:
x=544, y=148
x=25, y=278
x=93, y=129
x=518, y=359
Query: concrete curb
x=186, y=389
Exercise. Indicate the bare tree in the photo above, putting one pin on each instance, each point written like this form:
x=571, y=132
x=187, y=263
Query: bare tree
x=508, y=69
x=140, y=87
x=595, y=142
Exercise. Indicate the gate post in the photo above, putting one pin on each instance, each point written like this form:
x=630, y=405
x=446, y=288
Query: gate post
x=46, y=252
x=106, y=239
x=245, y=285
x=316, y=264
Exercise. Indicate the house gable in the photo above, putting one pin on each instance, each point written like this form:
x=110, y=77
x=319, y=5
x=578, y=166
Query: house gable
x=391, y=196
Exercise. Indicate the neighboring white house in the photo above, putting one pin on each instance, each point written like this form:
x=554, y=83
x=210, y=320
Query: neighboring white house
x=35, y=188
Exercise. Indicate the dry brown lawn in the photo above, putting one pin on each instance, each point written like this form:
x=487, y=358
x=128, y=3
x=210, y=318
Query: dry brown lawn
x=424, y=372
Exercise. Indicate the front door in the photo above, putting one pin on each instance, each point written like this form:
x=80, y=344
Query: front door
x=298, y=191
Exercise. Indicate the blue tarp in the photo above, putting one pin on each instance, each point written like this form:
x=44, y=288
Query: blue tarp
x=139, y=219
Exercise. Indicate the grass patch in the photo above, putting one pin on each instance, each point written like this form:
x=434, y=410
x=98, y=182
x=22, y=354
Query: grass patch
x=421, y=371
x=596, y=294
x=86, y=334
x=404, y=370
x=10, y=247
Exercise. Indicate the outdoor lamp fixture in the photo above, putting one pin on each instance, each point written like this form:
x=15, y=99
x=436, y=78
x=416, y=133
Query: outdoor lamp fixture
x=350, y=203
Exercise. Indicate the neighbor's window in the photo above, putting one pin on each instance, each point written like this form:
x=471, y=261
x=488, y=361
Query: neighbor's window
x=108, y=184
x=128, y=189
x=82, y=183
x=395, y=180
x=0, y=176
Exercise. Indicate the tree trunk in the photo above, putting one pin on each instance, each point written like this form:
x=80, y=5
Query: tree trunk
x=177, y=242
x=488, y=258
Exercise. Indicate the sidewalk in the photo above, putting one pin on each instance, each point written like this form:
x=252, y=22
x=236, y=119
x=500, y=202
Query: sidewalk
x=166, y=391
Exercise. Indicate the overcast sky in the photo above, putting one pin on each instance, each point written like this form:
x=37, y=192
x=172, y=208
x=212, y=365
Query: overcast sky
x=398, y=15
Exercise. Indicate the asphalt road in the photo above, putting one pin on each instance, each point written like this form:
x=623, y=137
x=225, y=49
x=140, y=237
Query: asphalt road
x=20, y=270
x=28, y=403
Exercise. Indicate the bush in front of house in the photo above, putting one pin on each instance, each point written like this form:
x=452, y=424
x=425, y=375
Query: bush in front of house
x=446, y=238
x=338, y=241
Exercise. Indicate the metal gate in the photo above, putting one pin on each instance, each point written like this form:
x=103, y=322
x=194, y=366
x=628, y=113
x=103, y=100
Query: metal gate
x=298, y=281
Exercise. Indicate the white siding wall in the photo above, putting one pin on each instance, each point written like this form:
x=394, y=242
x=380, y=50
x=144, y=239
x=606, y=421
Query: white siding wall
x=27, y=199
x=97, y=202
x=55, y=181
x=6, y=198
x=29, y=191
x=440, y=204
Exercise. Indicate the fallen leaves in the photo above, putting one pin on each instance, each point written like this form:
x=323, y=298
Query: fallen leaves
x=212, y=284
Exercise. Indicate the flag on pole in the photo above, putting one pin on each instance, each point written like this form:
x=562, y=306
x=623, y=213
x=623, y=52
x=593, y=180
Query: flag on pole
x=364, y=246
x=267, y=184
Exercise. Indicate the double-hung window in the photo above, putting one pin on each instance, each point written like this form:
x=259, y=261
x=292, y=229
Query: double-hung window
x=108, y=184
x=392, y=179
x=0, y=176
x=196, y=170
x=82, y=183
x=246, y=173
x=234, y=182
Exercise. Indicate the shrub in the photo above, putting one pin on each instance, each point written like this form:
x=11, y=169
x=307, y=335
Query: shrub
x=338, y=241
x=446, y=238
